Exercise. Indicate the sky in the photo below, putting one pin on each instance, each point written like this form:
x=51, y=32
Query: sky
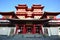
x=49, y=5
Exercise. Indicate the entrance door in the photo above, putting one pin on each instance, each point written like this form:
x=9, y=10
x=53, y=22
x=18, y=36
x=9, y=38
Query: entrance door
x=29, y=29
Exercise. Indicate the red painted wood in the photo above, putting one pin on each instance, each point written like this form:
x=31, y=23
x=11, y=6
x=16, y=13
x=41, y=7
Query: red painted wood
x=34, y=29
x=24, y=29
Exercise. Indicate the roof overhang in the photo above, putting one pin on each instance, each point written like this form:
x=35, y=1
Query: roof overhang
x=24, y=21
x=7, y=13
x=50, y=13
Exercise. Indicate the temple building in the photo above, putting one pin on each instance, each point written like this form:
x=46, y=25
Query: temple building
x=29, y=21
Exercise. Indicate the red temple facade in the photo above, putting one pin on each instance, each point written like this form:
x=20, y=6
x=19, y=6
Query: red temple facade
x=30, y=20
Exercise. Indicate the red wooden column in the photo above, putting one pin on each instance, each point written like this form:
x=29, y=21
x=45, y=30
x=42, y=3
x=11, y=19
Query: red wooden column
x=16, y=28
x=24, y=29
x=41, y=28
x=34, y=28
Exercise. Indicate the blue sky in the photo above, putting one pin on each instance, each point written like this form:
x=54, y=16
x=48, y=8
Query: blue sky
x=50, y=5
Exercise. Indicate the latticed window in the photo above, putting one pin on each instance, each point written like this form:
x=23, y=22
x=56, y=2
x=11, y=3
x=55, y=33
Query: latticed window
x=21, y=17
x=51, y=17
x=6, y=16
x=37, y=17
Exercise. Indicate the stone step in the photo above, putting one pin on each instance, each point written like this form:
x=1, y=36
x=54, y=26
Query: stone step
x=20, y=37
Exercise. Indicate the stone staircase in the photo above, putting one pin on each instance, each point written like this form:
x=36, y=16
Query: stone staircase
x=4, y=37
x=28, y=37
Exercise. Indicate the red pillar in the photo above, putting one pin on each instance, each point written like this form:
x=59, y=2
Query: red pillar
x=34, y=29
x=24, y=29
x=16, y=28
